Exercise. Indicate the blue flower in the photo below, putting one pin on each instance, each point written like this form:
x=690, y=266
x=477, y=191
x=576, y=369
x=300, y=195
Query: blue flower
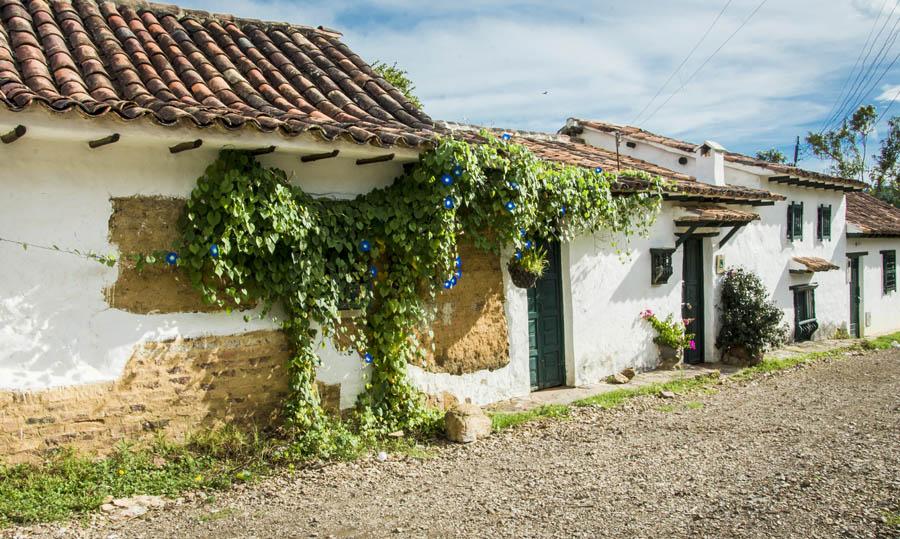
x=458, y=262
x=448, y=285
x=457, y=170
x=214, y=251
x=505, y=137
x=368, y=357
x=172, y=259
x=453, y=280
x=528, y=244
x=510, y=205
x=518, y=255
x=513, y=185
x=373, y=271
x=365, y=246
x=448, y=203
x=447, y=180
x=522, y=232
x=458, y=274
x=562, y=211
x=599, y=170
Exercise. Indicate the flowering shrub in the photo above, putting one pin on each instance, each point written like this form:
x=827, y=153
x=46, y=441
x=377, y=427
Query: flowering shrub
x=670, y=332
x=750, y=320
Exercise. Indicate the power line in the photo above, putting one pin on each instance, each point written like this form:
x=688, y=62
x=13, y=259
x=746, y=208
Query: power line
x=846, y=107
x=891, y=104
x=683, y=62
x=857, y=65
x=710, y=57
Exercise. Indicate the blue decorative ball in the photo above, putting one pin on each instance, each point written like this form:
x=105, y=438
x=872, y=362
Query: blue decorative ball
x=368, y=357
x=214, y=251
x=447, y=180
x=373, y=271
x=457, y=170
x=448, y=203
x=505, y=137
x=365, y=246
x=172, y=259
x=510, y=205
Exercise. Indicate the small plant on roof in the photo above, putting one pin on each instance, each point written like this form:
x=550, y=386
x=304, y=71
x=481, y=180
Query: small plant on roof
x=527, y=267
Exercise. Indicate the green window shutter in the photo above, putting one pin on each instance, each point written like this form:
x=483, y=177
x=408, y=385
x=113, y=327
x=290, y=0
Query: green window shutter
x=795, y=221
x=889, y=271
x=827, y=217
x=790, y=221
x=820, y=223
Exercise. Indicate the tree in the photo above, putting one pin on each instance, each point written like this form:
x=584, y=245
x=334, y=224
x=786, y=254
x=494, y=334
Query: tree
x=399, y=78
x=772, y=156
x=845, y=147
x=886, y=175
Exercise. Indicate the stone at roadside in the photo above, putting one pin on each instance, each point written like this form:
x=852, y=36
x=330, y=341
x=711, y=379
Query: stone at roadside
x=466, y=423
x=895, y=344
x=618, y=378
x=132, y=507
x=628, y=373
x=667, y=395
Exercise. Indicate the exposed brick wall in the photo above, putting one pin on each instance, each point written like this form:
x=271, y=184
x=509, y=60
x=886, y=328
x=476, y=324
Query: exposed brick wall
x=470, y=328
x=173, y=387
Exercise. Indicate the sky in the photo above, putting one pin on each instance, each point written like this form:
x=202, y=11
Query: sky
x=531, y=64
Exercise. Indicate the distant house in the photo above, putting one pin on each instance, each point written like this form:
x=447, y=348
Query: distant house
x=803, y=246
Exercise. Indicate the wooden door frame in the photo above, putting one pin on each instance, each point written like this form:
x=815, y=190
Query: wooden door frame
x=860, y=272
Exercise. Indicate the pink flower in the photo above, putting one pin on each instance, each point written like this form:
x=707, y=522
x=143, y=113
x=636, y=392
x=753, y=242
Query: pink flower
x=693, y=344
x=646, y=314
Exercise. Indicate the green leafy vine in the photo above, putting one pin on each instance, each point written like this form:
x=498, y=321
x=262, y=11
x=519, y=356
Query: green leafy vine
x=251, y=237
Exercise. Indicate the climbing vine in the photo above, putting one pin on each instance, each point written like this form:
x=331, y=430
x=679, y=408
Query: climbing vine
x=251, y=237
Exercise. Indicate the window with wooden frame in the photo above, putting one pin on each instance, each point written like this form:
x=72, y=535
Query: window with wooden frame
x=795, y=221
x=805, y=323
x=823, y=228
x=889, y=271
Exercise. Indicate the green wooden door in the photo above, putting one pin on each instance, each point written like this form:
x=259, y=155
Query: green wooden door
x=854, y=297
x=545, y=325
x=692, y=297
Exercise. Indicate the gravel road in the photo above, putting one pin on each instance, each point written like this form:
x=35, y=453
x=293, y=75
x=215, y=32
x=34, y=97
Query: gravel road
x=812, y=452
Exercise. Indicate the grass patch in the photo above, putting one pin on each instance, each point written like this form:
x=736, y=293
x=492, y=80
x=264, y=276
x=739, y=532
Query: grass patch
x=884, y=342
x=221, y=514
x=693, y=405
x=892, y=519
x=667, y=408
x=505, y=420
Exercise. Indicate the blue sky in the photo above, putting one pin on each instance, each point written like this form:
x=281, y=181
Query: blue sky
x=530, y=64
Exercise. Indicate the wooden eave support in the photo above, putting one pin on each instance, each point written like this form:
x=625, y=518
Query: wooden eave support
x=185, y=146
x=319, y=156
x=731, y=234
x=262, y=151
x=112, y=139
x=14, y=135
x=379, y=159
x=687, y=235
x=788, y=180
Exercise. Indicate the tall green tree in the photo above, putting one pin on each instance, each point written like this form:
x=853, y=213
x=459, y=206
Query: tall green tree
x=772, y=156
x=399, y=78
x=847, y=150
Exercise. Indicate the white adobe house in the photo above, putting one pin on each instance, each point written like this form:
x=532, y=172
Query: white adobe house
x=799, y=246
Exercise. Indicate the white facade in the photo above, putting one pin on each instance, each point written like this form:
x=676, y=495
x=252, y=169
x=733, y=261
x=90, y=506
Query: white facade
x=879, y=311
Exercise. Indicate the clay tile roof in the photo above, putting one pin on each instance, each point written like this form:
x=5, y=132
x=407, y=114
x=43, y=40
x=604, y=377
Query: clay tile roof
x=636, y=133
x=716, y=214
x=563, y=149
x=872, y=216
x=813, y=263
x=175, y=66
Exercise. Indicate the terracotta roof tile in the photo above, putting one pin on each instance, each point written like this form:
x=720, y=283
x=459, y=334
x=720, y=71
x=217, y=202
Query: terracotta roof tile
x=874, y=217
x=636, y=133
x=706, y=213
x=563, y=149
x=136, y=59
x=813, y=263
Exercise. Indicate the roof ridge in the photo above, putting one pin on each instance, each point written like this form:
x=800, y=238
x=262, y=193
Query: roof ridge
x=539, y=135
x=203, y=15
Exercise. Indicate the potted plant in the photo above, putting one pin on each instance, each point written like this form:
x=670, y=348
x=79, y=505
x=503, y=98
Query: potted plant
x=526, y=268
x=751, y=322
x=671, y=339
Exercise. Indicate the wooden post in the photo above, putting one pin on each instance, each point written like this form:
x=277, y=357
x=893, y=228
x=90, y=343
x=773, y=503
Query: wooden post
x=14, y=135
x=185, y=146
x=104, y=141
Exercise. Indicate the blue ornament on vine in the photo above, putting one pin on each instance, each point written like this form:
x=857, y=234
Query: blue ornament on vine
x=523, y=232
x=368, y=358
x=518, y=255
x=214, y=251
x=373, y=271
x=458, y=262
x=599, y=170
x=448, y=203
x=562, y=211
x=510, y=205
x=447, y=180
x=457, y=171
x=172, y=259
x=453, y=281
x=506, y=137
x=365, y=246
x=528, y=244
x=448, y=285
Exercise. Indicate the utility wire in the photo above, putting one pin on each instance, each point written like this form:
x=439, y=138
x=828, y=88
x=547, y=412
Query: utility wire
x=683, y=62
x=891, y=104
x=710, y=57
x=857, y=65
x=865, y=75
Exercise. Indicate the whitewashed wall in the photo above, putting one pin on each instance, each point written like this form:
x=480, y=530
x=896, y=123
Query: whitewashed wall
x=881, y=310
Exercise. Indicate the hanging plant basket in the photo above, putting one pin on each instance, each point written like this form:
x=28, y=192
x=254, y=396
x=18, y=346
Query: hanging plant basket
x=521, y=277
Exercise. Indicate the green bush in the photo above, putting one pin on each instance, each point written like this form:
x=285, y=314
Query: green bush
x=750, y=320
